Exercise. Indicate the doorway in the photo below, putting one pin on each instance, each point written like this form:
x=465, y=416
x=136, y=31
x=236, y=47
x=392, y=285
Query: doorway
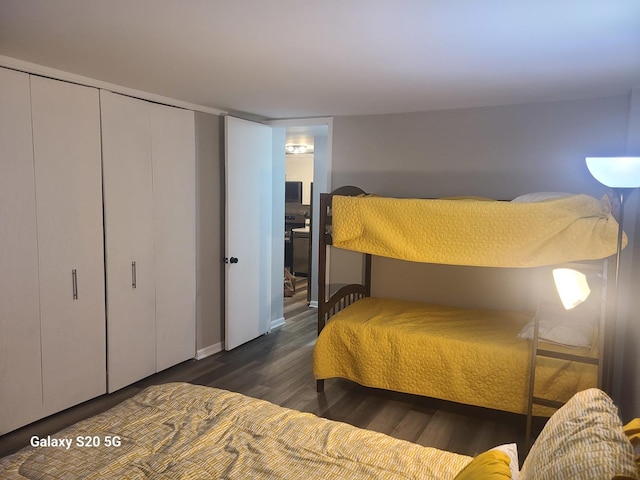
x=297, y=214
x=308, y=160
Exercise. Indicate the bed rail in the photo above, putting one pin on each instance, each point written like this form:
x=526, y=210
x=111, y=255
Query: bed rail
x=330, y=304
x=341, y=299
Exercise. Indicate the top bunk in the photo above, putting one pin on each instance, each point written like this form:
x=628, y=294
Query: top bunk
x=530, y=231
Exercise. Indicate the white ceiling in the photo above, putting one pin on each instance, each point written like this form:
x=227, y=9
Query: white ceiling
x=296, y=58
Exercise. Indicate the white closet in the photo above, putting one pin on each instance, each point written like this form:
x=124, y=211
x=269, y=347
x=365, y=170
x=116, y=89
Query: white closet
x=52, y=345
x=149, y=203
x=66, y=147
x=54, y=335
x=174, y=195
x=21, y=374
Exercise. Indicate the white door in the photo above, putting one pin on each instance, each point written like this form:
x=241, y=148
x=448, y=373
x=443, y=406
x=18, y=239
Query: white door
x=66, y=146
x=128, y=208
x=248, y=230
x=174, y=177
x=20, y=360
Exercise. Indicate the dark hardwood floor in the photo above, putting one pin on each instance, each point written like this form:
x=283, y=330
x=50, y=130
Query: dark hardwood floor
x=277, y=367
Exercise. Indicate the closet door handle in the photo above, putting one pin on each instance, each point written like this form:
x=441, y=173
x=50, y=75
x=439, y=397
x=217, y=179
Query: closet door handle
x=74, y=283
x=133, y=275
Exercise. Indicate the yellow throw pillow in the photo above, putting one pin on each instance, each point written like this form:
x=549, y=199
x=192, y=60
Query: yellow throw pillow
x=490, y=465
x=632, y=431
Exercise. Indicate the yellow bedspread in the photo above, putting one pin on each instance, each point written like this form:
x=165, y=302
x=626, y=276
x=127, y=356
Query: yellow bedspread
x=466, y=356
x=476, y=232
x=182, y=431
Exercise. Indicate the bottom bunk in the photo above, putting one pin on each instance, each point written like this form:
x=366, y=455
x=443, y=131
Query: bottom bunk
x=467, y=356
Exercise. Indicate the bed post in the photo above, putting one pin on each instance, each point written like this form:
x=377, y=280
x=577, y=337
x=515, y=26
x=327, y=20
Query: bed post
x=367, y=274
x=322, y=270
x=326, y=239
x=325, y=201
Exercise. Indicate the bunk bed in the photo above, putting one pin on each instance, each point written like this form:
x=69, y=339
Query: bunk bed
x=476, y=357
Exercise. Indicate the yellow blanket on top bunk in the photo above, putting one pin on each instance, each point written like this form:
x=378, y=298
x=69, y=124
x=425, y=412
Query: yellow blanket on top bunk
x=485, y=233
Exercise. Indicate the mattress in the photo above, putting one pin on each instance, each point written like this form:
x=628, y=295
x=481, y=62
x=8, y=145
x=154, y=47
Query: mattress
x=485, y=233
x=182, y=431
x=467, y=356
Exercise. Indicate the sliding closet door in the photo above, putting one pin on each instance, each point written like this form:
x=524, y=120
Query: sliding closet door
x=128, y=206
x=20, y=373
x=173, y=154
x=66, y=146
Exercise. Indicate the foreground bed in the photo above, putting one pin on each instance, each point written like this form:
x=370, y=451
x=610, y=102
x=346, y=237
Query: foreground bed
x=183, y=431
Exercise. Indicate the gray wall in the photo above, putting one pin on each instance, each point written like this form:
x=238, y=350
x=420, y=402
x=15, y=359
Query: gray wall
x=495, y=151
x=209, y=313
x=498, y=152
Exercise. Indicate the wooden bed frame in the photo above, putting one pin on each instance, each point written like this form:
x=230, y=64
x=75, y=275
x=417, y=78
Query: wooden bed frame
x=330, y=303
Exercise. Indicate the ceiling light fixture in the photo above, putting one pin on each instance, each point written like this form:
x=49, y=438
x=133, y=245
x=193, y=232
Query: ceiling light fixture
x=297, y=148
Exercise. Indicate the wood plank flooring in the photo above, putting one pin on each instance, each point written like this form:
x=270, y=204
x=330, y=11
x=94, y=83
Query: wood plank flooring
x=277, y=367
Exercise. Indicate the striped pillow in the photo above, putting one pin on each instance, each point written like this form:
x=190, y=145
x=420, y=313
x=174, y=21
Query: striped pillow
x=582, y=440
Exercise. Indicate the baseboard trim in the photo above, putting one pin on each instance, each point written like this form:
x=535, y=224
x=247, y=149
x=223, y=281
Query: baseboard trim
x=313, y=304
x=208, y=351
x=278, y=322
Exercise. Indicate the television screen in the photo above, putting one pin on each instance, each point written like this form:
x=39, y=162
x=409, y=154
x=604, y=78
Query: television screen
x=293, y=192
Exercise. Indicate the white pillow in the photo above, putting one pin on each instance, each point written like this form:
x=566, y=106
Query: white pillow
x=571, y=328
x=511, y=449
x=539, y=196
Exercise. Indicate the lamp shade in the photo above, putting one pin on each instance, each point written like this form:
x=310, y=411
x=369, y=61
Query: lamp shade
x=615, y=172
x=572, y=286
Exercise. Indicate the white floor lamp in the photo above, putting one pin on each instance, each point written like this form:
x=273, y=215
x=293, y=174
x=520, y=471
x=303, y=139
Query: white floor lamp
x=622, y=175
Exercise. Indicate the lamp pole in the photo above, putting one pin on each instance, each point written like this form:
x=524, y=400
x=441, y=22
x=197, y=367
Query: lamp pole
x=610, y=336
x=622, y=174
